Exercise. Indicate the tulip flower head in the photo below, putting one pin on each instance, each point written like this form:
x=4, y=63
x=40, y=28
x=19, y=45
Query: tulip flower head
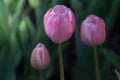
x=59, y=23
x=92, y=31
x=40, y=57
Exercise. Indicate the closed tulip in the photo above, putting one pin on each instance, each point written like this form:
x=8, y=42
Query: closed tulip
x=40, y=58
x=59, y=23
x=93, y=31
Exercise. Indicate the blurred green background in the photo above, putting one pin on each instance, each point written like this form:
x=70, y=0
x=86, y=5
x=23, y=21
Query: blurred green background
x=21, y=29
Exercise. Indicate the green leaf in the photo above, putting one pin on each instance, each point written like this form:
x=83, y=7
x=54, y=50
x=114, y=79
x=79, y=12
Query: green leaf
x=112, y=57
x=2, y=10
x=3, y=33
x=110, y=19
x=23, y=32
x=118, y=74
x=7, y=71
x=84, y=68
x=19, y=8
x=31, y=27
x=16, y=16
x=44, y=6
x=15, y=52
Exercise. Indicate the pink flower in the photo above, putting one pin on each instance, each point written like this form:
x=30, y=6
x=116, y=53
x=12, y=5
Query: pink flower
x=40, y=57
x=59, y=23
x=93, y=31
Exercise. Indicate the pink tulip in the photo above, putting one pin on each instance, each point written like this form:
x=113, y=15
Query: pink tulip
x=59, y=23
x=93, y=31
x=40, y=57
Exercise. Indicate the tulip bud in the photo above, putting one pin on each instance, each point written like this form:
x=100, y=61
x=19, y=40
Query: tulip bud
x=23, y=31
x=93, y=31
x=40, y=58
x=34, y=3
x=59, y=23
x=22, y=25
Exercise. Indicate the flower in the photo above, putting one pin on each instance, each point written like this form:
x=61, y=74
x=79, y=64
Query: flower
x=59, y=23
x=40, y=58
x=92, y=31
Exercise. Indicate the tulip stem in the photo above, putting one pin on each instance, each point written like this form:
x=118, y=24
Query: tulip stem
x=41, y=75
x=96, y=63
x=60, y=62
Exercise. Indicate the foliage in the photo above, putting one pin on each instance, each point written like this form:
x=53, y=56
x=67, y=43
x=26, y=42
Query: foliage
x=19, y=35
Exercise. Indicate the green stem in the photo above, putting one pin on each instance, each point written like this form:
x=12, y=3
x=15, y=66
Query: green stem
x=41, y=75
x=96, y=63
x=60, y=62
